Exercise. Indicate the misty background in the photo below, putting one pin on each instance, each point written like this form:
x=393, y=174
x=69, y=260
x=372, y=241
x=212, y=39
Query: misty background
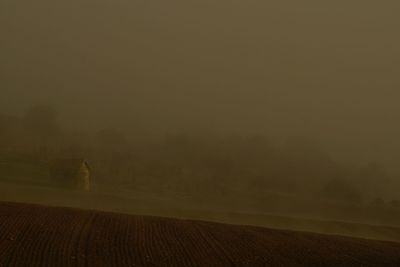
x=269, y=96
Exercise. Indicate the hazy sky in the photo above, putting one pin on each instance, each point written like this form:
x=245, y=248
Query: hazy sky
x=325, y=69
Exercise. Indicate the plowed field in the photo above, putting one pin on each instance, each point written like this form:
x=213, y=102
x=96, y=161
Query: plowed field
x=40, y=236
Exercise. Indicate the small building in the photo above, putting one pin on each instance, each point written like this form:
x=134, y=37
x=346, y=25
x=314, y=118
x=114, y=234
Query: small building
x=71, y=174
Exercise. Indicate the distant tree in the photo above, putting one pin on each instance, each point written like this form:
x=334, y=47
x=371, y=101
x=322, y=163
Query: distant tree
x=7, y=134
x=374, y=179
x=395, y=203
x=342, y=190
x=379, y=202
x=42, y=119
x=41, y=126
x=110, y=140
x=113, y=155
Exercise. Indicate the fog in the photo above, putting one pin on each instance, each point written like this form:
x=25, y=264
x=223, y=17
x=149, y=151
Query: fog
x=283, y=70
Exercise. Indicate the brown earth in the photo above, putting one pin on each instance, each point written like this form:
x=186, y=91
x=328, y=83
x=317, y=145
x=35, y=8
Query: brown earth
x=33, y=235
x=359, y=222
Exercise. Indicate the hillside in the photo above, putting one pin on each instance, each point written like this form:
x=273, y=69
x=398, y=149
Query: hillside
x=360, y=222
x=33, y=235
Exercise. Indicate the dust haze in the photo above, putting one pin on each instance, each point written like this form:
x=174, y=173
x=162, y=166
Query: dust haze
x=230, y=106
